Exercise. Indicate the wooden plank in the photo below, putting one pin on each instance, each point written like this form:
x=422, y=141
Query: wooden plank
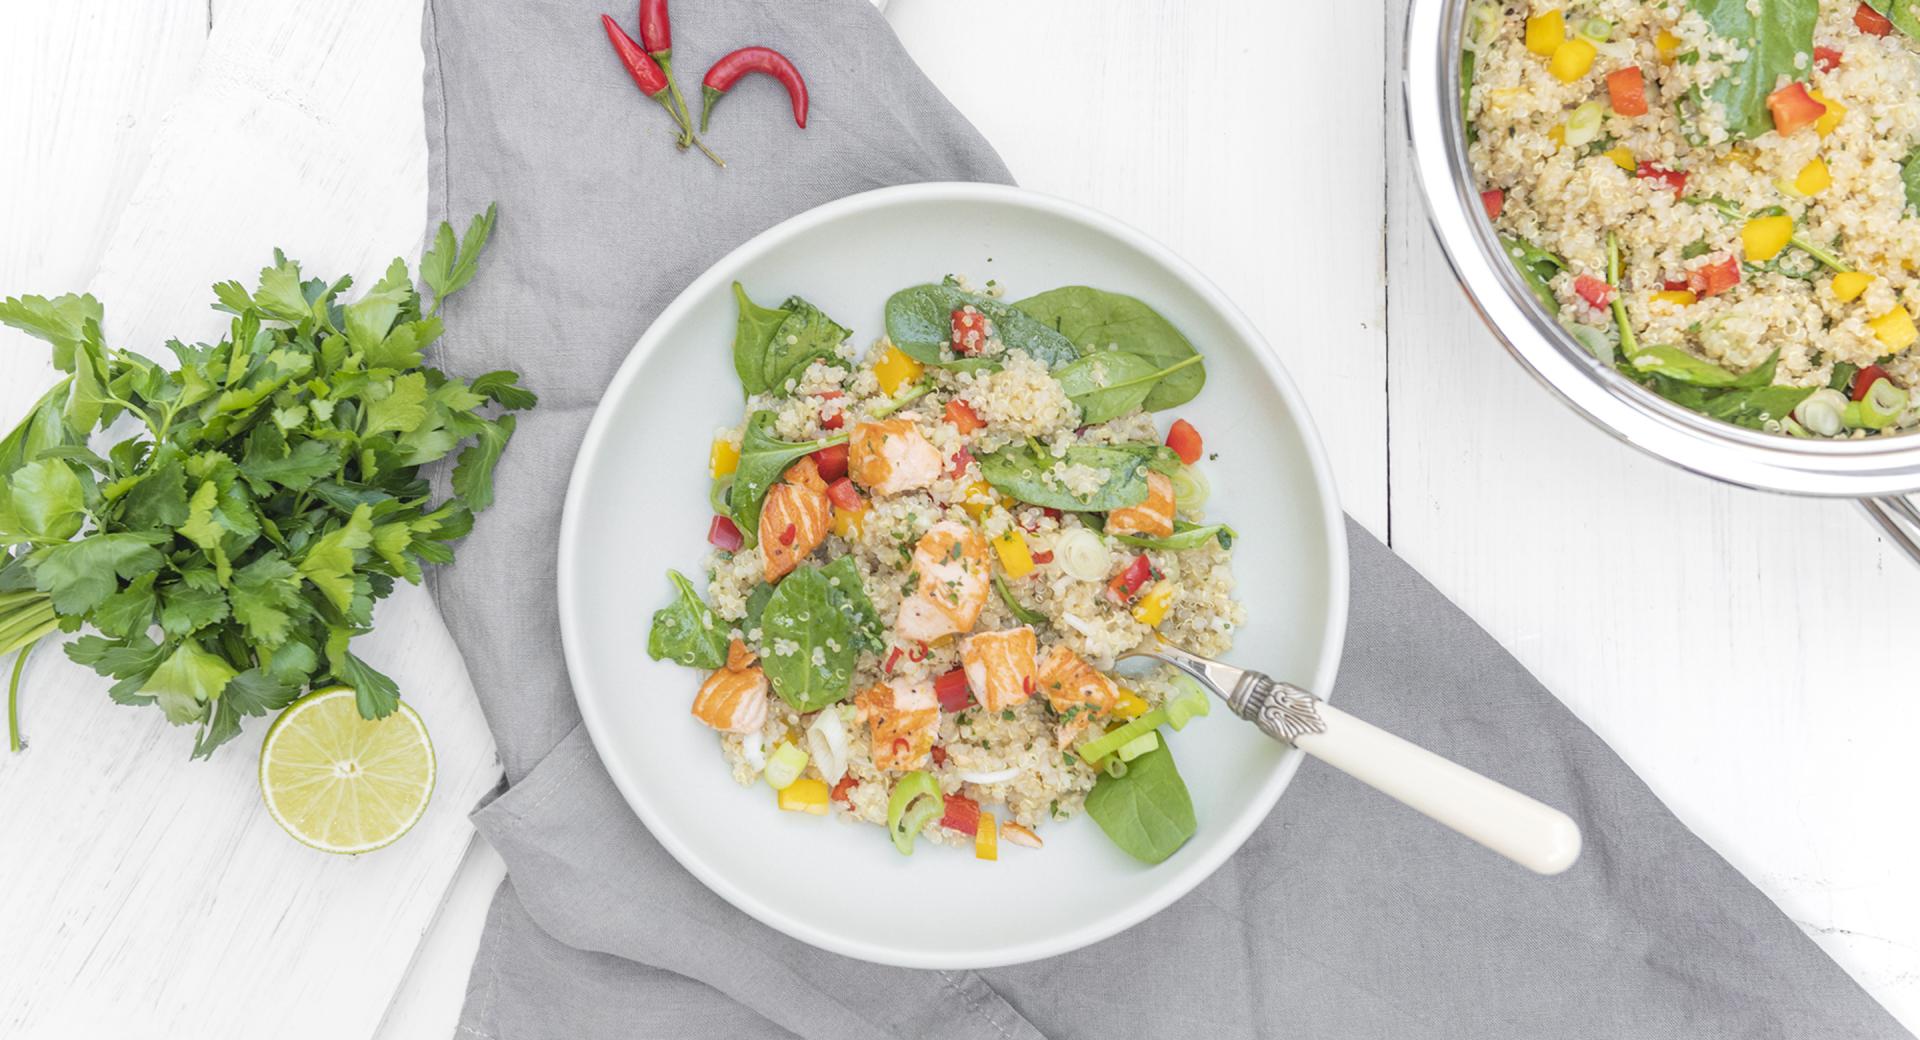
x=154, y=895
x=1748, y=654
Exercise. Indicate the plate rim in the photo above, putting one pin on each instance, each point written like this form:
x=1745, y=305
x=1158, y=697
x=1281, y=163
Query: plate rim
x=1188, y=872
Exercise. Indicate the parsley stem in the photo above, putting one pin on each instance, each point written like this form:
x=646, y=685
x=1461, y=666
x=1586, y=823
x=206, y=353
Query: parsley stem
x=13, y=697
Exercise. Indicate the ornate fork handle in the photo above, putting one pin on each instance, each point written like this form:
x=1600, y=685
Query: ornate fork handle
x=1282, y=710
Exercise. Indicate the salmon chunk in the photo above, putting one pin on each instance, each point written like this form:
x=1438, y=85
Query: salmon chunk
x=949, y=583
x=1152, y=518
x=999, y=666
x=734, y=699
x=903, y=718
x=890, y=456
x=1077, y=691
x=794, y=520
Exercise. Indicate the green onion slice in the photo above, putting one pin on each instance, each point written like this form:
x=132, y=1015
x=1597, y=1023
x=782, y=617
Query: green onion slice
x=914, y=803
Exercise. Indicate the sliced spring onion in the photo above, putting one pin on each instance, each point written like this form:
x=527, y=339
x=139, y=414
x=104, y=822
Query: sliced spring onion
x=785, y=765
x=717, y=495
x=1115, y=768
x=997, y=776
x=1138, y=746
x=914, y=803
x=1591, y=338
x=905, y=398
x=1596, y=29
x=1584, y=124
x=1190, y=490
x=1821, y=412
x=1081, y=554
x=1483, y=26
x=1187, y=705
x=827, y=740
x=1882, y=405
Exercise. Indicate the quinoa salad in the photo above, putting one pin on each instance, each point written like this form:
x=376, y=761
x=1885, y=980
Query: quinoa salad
x=1720, y=198
x=928, y=557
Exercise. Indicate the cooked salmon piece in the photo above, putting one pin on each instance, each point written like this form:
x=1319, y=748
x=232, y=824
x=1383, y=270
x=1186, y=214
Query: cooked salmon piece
x=1000, y=667
x=1152, y=518
x=794, y=520
x=890, y=456
x=1077, y=691
x=949, y=583
x=734, y=699
x=903, y=718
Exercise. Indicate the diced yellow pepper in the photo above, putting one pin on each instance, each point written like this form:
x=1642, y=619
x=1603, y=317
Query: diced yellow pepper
x=1623, y=158
x=1894, y=329
x=1558, y=135
x=1814, y=178
x=1666, y=45
x=1152, y=608
x=895, y=370
x=1675, y=297
x=724, y=458
x=1012, y=549
x=977, y=499
x=1764, y=237
x=1545, y=32
x=847, y=522
x=1848, y=285
x=1129, y=705
x=1572, y=59
x=986, y=839
x=1829, y=119
x=806, y=795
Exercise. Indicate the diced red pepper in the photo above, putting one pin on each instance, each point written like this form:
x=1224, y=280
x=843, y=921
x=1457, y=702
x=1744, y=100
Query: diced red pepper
x=723, y=535
x=963, y=814
x=1043, y=556
x=1051, y=513
x=844, y=495
x=1793, y=108
x=1714, y=279
x=961, y=460
x=963, y=417
x=834, y=421
x=1128, y=583
x=1627, y=89
x=1674, y=286
x=1826, y=59
x=1864, y=379
x=1673, y=179
x=1596, y=292
x=831, y=461
x=969, y=331
x=1493, y=200
x=951, y=688
x=843, y=791
x=1185, y=441
x=1871, y=21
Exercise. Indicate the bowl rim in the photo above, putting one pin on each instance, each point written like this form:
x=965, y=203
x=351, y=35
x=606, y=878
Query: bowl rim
x=1751, y=458
x=1184, y=872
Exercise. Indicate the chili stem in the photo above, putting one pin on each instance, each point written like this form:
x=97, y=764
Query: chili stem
x=1628, y=346
x=665, y=58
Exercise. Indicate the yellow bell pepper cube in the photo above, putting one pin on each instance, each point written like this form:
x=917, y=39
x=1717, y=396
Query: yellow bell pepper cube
x=724, y=458
x=1814, y=178
x=1666, y=45
x=976, y=499
x=1894, y=329
x=1129, y=705
x=895, y=370
x=847, y=522
x=1572, y=59
x=1675, y=297
x=1764, y=237
x=1848, y=285
x=1152, y=608
x=1558, y=135
x=1546, y=32
x=807, y=795
x=1623, y=158
x=986, y=839
x=1014, y=556
x=1830, y=119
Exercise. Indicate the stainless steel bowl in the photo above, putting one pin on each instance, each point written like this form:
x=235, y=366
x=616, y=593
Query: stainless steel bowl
x=1877, y=472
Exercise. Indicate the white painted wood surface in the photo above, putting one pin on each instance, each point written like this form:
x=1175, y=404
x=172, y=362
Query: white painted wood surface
x=1741, y=651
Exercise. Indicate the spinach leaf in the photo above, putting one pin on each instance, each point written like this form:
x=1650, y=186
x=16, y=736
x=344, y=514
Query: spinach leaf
x=1184, y=536
x=764, y=458
x=1746, y=400
x=752, y=331
x=772, y=345
x=1094, y=319
x=1901, y=14
x=1109, y=384
x=1537, y=268
x=1774, y=41
x=1466, y=95
x=1682, y=367
x=1024, y=615
x=756, y=606
x=920, y=323
x=849, y=597
x=1910, y=174
x=1752, y=408
x=685, y=631
x=1146, y=811
x=1842, y=378
x=820, y=626
x=1030, y=474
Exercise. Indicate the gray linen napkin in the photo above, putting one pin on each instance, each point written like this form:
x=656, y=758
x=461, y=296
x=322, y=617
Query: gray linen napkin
x=1345, y=916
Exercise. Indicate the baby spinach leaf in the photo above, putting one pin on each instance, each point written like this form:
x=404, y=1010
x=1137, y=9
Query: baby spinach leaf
x=1031, y=474
x=849, y=596
x=685, y=630
x=763, y=459
x=1753, y=407
x=1184, y=536
x=1910, y=174
x=1774, y=40
x=1901, y=14
x=1094, y=319
x=752, y=332
x=1111, y=383
x=920, y=323
x=1537, y=268
x=774, y=344
x=1024, y=615
x=756, y=606
x=1146, y=810
x=1680, y=366
x=810, y=638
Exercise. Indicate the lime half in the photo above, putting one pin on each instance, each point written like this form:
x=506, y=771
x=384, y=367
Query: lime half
x=341, y=783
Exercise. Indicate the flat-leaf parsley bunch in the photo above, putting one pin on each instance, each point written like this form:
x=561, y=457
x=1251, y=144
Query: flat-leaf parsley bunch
x=227, y=551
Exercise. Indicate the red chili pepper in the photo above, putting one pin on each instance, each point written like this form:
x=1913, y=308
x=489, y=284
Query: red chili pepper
x=1826, y=59
x=831, y=461
x=1673, y=179
x=724, y=535
x=844, y=495
x=892, y=659
x=961, y=460
x=1871, y=21
x=963, y=814
x=918, y=653
x=951, y=689
x=1026, y=681
x=1185, y=441
x=653, y=81
x=655, y=30
x=787, y=536
x=1864, y=379
x=843, y=791
x=1493, y=200
x=728, y=70
x=1596, y=292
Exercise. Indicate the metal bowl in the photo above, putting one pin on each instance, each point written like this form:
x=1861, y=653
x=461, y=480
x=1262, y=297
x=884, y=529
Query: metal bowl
x=1876, y=471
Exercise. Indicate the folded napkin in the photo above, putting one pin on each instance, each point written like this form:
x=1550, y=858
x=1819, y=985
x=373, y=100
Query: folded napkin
x=1345, y=915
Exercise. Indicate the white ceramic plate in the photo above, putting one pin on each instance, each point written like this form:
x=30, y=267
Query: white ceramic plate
x=638, y=505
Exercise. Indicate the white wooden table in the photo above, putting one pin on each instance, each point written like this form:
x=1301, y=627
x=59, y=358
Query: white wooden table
x=1749, y=655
